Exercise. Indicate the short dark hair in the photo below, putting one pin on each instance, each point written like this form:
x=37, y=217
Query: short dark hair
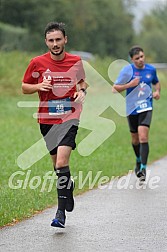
x=55, y=26
x=135, y=50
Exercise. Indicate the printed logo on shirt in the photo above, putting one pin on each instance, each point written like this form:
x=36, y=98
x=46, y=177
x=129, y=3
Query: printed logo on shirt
x=48, y=71
x=47, y=75
x=35, y=74
x=61, y=79
x=148, y=76
x=137, y=75
x=62, y=83
x=142, y=89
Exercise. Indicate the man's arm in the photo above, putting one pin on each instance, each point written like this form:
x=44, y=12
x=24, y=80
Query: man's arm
x=121, y=87
x=83, y=86
x=156, y=93
x=33, y=88
x=80, y=94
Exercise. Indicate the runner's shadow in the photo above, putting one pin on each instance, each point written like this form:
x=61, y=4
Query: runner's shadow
x=59, y=234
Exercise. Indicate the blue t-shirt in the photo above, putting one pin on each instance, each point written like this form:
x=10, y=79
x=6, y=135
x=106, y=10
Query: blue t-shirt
x=139, y=98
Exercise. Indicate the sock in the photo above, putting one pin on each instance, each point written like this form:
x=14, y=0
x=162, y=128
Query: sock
x=136, y=149
x=144, y=151
x=63, y=174
x=142, y=166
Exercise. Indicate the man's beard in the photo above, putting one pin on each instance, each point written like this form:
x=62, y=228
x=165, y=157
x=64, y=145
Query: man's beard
x=141, y=65
x=57, y=54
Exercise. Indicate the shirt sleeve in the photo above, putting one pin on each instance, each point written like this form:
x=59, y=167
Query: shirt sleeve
x=125, y=75
x=31, y=75
x=155, y=79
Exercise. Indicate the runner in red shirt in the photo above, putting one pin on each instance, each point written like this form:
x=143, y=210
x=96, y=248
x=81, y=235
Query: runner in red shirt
x=59, y=79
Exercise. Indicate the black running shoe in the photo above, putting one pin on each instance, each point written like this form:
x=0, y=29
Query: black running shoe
x=59, y=220
x=137, y=169
x=143, y=175
x=70, y=199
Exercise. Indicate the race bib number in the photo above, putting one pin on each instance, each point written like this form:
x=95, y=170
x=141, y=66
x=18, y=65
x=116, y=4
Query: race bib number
x=59, y=107
x=143, y=105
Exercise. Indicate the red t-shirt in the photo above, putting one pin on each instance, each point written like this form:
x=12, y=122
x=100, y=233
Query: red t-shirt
x=57, y=105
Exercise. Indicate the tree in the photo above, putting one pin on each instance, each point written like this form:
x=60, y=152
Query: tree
x=153, y=35
x=101, y=27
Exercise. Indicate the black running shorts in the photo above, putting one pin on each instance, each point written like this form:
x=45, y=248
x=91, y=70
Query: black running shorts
x=143, y=118
x=59, y=135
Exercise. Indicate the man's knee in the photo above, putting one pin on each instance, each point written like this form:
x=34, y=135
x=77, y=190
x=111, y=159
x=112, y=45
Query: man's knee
x=61, y=163
x=135, y=138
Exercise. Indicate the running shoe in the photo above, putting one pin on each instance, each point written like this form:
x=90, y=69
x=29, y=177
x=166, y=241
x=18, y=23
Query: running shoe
x=137, y=169
x=59, y=220
x=142, y=175
x=70, y=198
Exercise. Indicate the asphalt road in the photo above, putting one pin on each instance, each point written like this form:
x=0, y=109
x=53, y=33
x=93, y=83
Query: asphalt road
x=124, y=216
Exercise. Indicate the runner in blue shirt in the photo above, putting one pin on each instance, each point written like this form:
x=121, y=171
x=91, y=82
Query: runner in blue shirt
x=138, y=79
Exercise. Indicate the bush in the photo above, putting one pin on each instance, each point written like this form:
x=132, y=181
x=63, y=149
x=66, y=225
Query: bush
x=13, y=38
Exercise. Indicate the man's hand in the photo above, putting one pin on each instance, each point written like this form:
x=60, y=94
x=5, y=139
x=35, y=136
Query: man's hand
x=45, y=86
x=79, y=96
x=121, y=87
x=156, y=95
x=134, y=82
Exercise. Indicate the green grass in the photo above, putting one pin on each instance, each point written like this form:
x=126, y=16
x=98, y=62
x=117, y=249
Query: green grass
x=19, y=131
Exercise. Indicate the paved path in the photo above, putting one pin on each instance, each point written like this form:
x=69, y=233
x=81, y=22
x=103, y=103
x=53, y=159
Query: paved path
x=115, y=219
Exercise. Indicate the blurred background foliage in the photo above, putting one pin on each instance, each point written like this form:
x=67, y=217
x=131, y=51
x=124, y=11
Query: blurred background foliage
x=104, y=28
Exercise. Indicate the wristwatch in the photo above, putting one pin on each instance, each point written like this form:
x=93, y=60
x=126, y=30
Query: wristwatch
x=84, y=90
